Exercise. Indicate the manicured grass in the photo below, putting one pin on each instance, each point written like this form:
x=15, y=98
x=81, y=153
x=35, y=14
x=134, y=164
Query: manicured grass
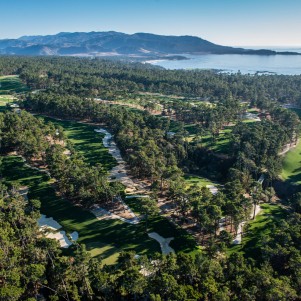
x=109, y=235
x=261, y=225
x=182, y=242
x=197, y=180
x=4, y=100
x=252, y=111
x=11, y=84
x=86, y=141
x=221, y=143
x=108, y=253
x=73, y=218
x=291, y=166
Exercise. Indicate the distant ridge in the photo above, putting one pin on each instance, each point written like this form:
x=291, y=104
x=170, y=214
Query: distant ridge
x=113, y=43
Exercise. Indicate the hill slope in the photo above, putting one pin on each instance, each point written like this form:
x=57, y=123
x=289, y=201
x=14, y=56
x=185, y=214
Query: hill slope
x=115, y=43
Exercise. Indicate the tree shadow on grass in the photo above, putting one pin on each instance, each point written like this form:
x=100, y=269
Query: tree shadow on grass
x=259, y=228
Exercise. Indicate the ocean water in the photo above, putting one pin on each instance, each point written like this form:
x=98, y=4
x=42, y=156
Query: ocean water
x=246, y=64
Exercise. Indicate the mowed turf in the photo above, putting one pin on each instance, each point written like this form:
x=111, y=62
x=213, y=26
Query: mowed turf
x=291, y=166
x=262, y=225
x=182, y=242
x=113, y=234
x=109, y=235
x=191, y=180
x=10, y=84
x=4, y=100
x=86, y=141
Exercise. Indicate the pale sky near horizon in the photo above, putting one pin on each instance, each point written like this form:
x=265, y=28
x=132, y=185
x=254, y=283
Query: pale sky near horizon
x=225, y=22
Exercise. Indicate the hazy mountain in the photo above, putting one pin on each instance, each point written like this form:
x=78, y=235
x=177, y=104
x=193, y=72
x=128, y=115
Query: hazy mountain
x=115, y=43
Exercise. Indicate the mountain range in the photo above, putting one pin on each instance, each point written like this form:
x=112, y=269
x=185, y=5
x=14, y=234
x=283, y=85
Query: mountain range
x=111, y=43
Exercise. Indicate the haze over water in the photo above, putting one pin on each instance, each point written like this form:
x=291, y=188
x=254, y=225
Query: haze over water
x=275, y=64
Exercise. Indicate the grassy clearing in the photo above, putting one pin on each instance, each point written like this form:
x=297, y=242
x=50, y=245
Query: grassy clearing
x=221, y=143
x=108, y=252
x=260, y=226
x=86, y=141
x=291, y=166
x=109, y=235
x=11, y=84
x=4, y=100
x=197, y=180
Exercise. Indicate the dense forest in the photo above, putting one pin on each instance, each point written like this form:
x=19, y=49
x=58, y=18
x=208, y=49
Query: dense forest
x=66, y=88
x=33, y=267
x=94, y=77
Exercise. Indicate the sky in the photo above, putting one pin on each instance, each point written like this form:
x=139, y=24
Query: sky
x=225, y=22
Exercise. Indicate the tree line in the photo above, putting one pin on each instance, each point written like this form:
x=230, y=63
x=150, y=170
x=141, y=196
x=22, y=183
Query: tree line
x=41, y=144
x=34, y=267
x=105, y=78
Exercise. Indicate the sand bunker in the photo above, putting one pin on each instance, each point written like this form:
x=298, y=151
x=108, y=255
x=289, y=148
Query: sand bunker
x=23, y=191
x=61, y=237
x=119, y=172
x=212, y=189
x=48, y=225
x=164, y=242
x=74, y=236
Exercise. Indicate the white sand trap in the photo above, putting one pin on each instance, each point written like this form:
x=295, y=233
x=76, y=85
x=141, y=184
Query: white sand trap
x=212, y=189
x=237, y=239
x=61, y=237
x=164, y=242
x=49, y=223
x=119, y=172
x=74, y=236
x=23, y=191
